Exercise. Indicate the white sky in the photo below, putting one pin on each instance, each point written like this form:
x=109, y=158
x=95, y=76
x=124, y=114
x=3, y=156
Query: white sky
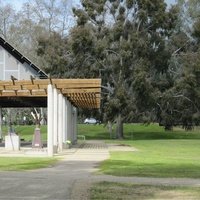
x=170, y=1
x=15, y=3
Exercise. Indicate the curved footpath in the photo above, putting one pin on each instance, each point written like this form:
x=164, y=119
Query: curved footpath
x=72, y=177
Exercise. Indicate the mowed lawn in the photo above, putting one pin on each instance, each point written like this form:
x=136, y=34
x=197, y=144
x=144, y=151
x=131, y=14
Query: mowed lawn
x=156, y=158
x=25, y=163
x=127, y=191
x=26, y=132
x=160, y=153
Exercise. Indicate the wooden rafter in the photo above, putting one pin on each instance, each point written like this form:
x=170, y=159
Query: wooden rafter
x=84, y=93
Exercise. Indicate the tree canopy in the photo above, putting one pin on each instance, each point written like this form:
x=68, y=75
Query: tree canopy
x=125, y=42
x=146, y=53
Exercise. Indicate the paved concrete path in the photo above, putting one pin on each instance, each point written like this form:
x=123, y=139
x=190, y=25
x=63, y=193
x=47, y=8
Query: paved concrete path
x=54, y=183
x=72, y=177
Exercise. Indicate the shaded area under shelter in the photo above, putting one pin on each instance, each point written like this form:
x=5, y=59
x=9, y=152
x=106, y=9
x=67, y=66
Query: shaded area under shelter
x=62, y=97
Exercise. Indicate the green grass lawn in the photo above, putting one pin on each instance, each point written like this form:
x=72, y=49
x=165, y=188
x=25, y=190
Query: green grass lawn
x=21, y=163
x=156, y=158
x=131, y=132
x=121, y=191
x=26, y=132
x=160, y=154
x=137, y=132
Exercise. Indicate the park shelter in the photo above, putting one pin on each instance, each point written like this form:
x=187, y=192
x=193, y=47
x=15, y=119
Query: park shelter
x=15, y=65
x=62, y=97
x=23, y=84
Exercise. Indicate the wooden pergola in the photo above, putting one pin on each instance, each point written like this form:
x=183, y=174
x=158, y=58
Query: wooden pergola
x=62, y=97
x=82, y=93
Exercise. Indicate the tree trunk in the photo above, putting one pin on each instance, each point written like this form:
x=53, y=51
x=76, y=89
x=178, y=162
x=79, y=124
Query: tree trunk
x=119, y=128
x=110, y=129
x=168, y=127
x=10, y=130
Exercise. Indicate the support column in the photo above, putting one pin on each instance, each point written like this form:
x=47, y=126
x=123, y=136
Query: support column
x=69, y=121
x=64, y=120
x=55, y=121
x=60, y=122
x=75, y=124
x=50, y=109
x=1, y=123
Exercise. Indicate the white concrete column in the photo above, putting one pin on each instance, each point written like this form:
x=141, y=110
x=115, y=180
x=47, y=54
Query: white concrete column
x=55, y=121
x=60, y=122
x=75, y=124
x=72, y=123
x=69, y=121
x=1, y=123
x=64, y=120
x=50, y=109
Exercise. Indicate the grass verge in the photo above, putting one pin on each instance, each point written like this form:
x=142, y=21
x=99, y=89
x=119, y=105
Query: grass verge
x=121, y=191
x=156, y=158
x=21, y=163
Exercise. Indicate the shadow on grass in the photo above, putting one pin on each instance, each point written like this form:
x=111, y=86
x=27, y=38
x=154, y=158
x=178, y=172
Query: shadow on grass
x=161, y=135
x=131, y=168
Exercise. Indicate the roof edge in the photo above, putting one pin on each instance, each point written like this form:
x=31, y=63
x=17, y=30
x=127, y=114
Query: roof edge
x=21, y=58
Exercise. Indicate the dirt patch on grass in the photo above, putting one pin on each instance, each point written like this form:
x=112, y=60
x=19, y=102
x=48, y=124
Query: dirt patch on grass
x=81, y=190
x=120, y=147
x=117, y=191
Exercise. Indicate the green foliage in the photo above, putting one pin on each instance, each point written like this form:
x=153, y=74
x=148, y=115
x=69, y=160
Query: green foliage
x=130, y=50
x=81, y=40
x=53, y=51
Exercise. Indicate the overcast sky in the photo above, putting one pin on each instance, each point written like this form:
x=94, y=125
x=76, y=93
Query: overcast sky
x=17, y=3
x=170, y=1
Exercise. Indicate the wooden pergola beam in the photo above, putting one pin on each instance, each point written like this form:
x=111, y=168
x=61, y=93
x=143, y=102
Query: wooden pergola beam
x=83, y=93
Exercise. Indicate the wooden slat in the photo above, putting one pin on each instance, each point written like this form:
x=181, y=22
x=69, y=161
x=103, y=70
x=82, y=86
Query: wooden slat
x=83, y=93
x=76, y=81
x=81, y=90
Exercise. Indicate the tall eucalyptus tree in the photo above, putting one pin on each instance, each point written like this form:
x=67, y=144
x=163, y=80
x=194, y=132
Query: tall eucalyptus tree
x=125, y=41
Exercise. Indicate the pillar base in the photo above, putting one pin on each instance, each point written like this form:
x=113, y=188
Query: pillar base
x=12, y=142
